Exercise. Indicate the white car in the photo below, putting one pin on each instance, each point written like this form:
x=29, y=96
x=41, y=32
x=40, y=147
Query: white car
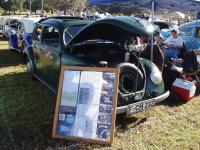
x=10, y=23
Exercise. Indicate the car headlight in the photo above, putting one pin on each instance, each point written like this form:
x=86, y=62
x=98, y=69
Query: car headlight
x=155, y=75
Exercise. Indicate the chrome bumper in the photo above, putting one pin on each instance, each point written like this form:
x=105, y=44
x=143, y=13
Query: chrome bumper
x=156, y=100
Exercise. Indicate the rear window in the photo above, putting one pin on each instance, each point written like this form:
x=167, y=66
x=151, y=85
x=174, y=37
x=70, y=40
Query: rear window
x=187, y=31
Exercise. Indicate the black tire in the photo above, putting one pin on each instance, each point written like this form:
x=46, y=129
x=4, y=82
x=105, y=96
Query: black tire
x=131, y=80
x=29, y=71
x=23, y=54
x=9, y=47
x=23, y=46
x=24, y=58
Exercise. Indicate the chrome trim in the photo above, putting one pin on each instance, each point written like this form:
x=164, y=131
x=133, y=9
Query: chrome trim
x=158, y=99
x=120, y=110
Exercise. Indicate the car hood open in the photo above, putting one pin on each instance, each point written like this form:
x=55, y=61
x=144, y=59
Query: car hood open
x=114, y=29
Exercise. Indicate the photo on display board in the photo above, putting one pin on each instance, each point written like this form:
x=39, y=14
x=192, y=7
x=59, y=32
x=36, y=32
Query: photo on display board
x=86, y=104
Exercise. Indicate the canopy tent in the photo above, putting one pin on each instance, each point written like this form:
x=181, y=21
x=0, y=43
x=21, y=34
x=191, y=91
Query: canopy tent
x=176, y=5
x=159, y=4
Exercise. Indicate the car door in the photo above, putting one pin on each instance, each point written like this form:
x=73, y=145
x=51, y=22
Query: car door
x=13, y=35
x=196, y=38
x=47, y=54
x=196, y=41
x=186, y=34
x=20, y=35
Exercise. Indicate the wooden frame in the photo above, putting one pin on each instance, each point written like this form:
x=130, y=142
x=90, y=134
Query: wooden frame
x=106, y=109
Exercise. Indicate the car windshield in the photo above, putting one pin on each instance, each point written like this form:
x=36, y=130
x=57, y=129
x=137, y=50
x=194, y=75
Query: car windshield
x=70, y=32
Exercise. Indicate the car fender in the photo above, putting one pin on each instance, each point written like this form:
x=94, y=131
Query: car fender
x=30, y=56
x=152, y=89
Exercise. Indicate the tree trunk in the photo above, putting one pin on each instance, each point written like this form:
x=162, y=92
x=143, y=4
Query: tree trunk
x=52, y=11
x=65, y=11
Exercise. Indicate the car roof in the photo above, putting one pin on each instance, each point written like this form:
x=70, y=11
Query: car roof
x=13, y=18
x=30, y=20
x=29, y=24
x=66, y=22
x=194, y=23
x=60, y=17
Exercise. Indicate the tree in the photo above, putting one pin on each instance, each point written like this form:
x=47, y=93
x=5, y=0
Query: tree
x=17, y=5
x=6, y=5
x=65, y=5
x=1, y=11
x=36, y=4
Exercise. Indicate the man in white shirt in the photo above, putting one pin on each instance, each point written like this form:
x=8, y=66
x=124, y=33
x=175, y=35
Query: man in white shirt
x=174, y=45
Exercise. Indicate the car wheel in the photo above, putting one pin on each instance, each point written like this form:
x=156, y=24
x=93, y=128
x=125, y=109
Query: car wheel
x=29, y=69
x=23, y=46
x=131, y=80
x=9, y=47
x=23, y=54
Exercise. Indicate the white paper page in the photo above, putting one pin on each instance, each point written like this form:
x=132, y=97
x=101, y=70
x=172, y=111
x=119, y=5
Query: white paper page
x=91, y=129
x=93, y=78
x=79, y=127
x=70, y=88
x=93, y=82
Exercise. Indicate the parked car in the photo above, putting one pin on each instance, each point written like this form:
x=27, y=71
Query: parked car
x=166, y=24
x=165, y=28
x=21, y=36
x=1, y=28
x=10, y=23
x=190, y=32
x=79, y=42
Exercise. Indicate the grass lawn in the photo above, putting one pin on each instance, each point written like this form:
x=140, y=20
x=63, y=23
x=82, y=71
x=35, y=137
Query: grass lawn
x=27, y=110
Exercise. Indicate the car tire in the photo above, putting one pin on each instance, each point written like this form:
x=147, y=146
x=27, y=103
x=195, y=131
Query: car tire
x=9, y=47
x=129, y=76
x=23, y=54
x=23, y=46
x=29, y=70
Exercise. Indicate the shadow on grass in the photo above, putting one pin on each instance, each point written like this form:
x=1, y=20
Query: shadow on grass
x=8, y=58
x=29, y=109
x=173, y=101
x=124, y=123
x=26, y=117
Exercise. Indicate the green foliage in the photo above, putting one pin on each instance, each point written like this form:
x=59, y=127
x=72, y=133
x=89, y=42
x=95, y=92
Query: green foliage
x=65, y=4
x=49, y=5
x=1, y=11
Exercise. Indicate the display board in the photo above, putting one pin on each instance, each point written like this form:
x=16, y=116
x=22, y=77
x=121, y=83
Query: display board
x=86, y=104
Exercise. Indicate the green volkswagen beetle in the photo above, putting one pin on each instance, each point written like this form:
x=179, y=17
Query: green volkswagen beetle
x=109, y=42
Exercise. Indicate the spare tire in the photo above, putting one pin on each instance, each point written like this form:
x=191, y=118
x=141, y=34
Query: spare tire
x=131, y=80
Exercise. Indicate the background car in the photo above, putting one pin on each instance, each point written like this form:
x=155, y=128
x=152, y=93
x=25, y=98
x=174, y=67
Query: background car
x=10, y=23
x=165, y=28
x=166, y=25
x=21, y=36
x=1, y=28
x=1, y=25
x=78, y=42
x=190, y=32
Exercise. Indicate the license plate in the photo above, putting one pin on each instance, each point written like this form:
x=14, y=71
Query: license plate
x=139, y=106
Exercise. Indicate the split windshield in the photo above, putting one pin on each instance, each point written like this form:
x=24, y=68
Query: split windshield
x=70, y=32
